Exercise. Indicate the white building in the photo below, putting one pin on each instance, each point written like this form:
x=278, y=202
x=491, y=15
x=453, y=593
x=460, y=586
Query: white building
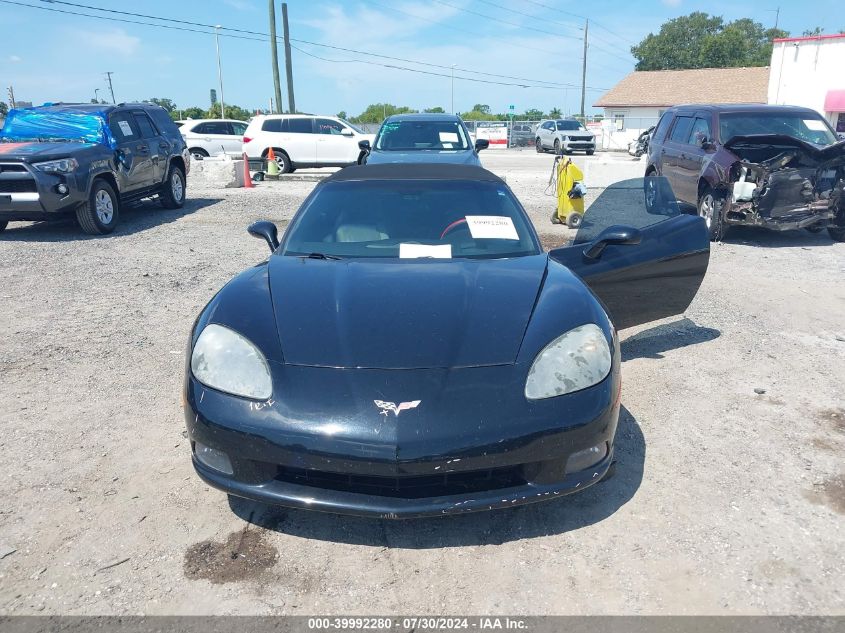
x=636, y=103
x=808, y=71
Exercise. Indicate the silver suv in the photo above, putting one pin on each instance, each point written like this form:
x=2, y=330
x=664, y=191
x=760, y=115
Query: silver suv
x=564, y=136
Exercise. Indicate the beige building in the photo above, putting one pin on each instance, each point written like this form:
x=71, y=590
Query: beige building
x=636, y=102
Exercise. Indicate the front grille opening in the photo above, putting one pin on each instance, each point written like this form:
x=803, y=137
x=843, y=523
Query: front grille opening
x=407, y=487
x=18, y=186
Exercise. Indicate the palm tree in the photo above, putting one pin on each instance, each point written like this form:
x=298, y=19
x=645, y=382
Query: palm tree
x=555, y=113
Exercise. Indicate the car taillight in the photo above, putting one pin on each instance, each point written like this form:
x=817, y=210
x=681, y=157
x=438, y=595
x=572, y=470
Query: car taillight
x=247, y=139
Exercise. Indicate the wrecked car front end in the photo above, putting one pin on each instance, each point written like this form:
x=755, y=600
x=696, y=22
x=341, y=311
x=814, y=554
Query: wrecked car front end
x=782, y=183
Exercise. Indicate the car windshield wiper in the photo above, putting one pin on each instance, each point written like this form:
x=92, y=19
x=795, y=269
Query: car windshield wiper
x=319, y=256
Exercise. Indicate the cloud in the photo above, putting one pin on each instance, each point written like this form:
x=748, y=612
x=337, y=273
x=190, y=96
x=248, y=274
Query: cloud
x=109, y=40
x=240, y=5
x=672, y=3
x=14, y=59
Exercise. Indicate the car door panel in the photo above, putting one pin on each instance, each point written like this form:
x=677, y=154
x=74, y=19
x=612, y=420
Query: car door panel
x=134, y=164
x=299, y=141
x=674, y=147
x=332, y=146
x=653, y=279
x=156, y=145
x=691, y=160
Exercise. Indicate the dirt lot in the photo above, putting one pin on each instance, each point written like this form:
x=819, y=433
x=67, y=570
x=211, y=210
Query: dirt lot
x=729, y=495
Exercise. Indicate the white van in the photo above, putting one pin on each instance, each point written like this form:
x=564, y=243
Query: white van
x=303, y=140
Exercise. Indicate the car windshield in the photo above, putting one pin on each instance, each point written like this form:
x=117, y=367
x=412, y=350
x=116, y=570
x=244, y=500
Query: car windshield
x=410, y=219
x=406, y=136
x=807, y=127
x=569, y=125
x=47, y=126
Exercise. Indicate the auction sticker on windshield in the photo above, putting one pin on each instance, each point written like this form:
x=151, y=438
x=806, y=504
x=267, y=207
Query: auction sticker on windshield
x=410, y=251
x=491, y=227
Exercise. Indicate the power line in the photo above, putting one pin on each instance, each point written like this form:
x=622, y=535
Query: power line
x=263, y=38
x=571, y=25
x=583, y=17
x=489, y=17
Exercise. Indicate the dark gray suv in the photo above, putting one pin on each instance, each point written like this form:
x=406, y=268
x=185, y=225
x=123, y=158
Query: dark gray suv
x=88, y=160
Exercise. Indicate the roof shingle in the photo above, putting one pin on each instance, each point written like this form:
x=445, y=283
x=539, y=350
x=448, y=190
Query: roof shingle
x=663, y=88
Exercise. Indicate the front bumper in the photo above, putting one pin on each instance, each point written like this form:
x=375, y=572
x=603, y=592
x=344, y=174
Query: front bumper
x=29, y=194
x=575, y=146
x=494, y=452
x=800, y=219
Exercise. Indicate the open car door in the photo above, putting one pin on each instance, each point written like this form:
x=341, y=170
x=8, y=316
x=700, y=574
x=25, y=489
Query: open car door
x=638, y=253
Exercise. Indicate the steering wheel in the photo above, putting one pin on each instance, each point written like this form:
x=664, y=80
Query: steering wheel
x=454, y=225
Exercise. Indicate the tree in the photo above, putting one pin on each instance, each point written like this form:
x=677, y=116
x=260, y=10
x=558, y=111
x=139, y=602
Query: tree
x=377, y=112
x=232, y=112
x=700, y=40
x=4, y=109
x=555, y=113
x=481, y=107
x=193, y=113
x=810, y=32
x=435, y=110
x=341, y=114
x=534, y=113
x=167, y=104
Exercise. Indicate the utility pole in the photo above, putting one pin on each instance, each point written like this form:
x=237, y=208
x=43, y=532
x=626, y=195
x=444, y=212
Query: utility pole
x=12, y=98
x=111, y=88
x=219, y=70
x=777, y=17
x=453, y=88
x=288, y=64
x=275, y=53
x=96, y=95
x=584, y=71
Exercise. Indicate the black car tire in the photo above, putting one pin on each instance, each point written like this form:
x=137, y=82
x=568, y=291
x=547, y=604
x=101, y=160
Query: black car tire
x=711, y=204
x=557, y=146
x=837, y=233
x=198, y=152
x=283, y=160
x=100, y=214
x=573, y=220
x=590, y=152
x=3, y=226
x=556, y=218
x=538, y=145
x=172, y=195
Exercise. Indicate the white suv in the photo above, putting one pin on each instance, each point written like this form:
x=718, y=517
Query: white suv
x=564, y=136
x=301, y=140
x=212, y=137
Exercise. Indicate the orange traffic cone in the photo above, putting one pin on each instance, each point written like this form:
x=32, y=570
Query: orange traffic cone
x=247, y=178
x=270, y=154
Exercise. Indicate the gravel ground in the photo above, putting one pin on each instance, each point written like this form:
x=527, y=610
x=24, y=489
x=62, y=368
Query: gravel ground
x=729, y=495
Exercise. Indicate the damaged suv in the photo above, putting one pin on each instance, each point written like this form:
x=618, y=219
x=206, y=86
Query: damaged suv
x=779, y=167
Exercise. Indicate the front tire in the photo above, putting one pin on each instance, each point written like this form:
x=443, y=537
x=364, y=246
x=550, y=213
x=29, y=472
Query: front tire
x=172, y=194
x=198, y=153
x=590, y=152
x=100, y=214
x=538, y=145
x=837, y=233
x=3, y=226
x=557, y=146
x=711, y=207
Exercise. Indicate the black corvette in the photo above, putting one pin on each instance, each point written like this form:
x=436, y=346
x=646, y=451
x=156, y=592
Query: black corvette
x=409, y=349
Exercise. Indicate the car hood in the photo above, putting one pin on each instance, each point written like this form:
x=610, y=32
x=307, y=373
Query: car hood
x=403, y=314
x=30, y=151
x=460, y=157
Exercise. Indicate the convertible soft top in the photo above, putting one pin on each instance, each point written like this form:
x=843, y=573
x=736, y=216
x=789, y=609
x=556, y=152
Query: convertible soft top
x=415, y=171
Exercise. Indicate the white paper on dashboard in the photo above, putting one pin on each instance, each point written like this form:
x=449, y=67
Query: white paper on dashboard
x=124, y=127
x=439, y=251
x=491, y=227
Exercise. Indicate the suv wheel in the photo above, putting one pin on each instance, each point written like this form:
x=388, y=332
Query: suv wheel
x=198, y=153
x=837, y=233
x=711, y=208
x=3, y=226
x=590, y=152
x=172, y=195
x=100, y=214
x=282, y=159
x=557, y=146
x=538, y=145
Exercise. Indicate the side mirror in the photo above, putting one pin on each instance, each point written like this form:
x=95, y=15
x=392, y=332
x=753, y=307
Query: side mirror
x=266, y=231
x=481, y=144
x=840, y=136
x=616, y=234
x=347, y=132
x=364, y=145
x=706, y=143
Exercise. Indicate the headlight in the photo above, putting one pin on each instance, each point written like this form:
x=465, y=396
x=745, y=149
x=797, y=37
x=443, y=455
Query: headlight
x=223, y=359
x=576, y=360
x=61, y=166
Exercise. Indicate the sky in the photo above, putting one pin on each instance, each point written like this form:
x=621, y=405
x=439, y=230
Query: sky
x=51, y=56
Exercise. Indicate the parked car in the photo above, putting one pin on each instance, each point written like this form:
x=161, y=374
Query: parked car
x=522, y=135
x=213, y=137
x=89, y=160
x=423, y=138
x=778, y=167
x=564, y=136
x=410, y=349
x=303, y=140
